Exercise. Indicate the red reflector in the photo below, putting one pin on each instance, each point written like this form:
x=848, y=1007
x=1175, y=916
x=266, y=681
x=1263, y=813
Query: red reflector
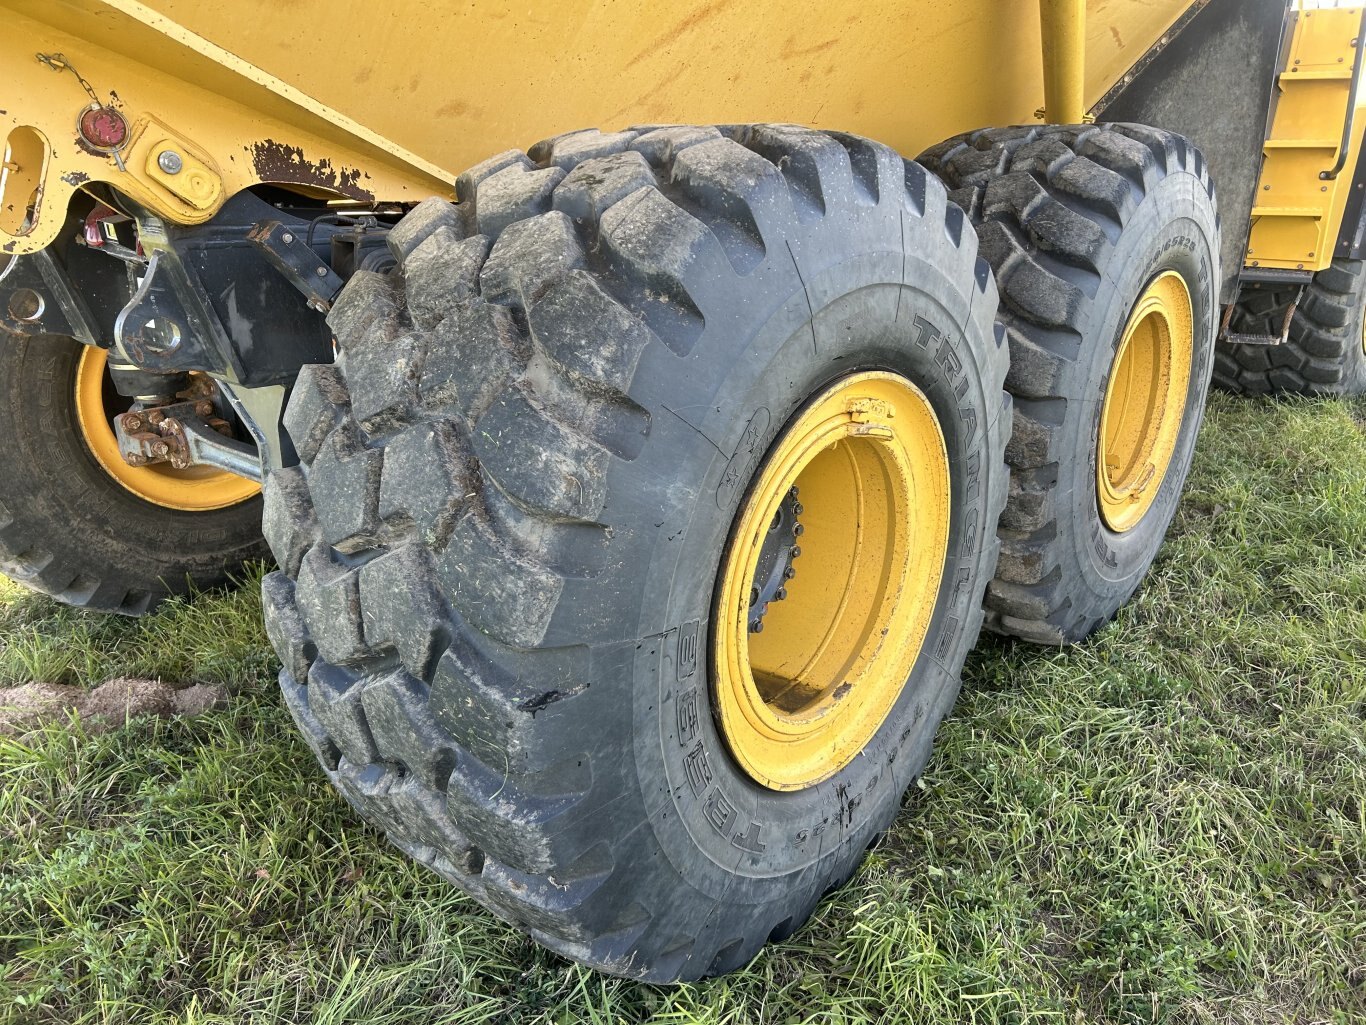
x=103, y=127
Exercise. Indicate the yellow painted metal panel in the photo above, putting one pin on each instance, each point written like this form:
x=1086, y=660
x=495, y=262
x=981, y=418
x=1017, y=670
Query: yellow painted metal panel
x=408, y=94
x=494, y=74
x=1298, y=213
x=1118, y=33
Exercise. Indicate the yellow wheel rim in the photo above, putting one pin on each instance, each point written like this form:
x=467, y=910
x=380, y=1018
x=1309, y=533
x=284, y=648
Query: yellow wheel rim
x=195, y=489
x=799, y=700
x=1145, y=402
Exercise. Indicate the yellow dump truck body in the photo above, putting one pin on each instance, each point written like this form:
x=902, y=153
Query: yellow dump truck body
x=390, y=102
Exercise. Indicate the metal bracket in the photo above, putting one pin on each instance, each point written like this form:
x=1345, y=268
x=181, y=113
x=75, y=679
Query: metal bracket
x=296, y=260
x=168, y=324
x=260, y=410
x=36, y=298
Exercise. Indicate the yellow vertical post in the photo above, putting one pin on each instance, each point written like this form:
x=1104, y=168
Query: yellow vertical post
x=1064, y=60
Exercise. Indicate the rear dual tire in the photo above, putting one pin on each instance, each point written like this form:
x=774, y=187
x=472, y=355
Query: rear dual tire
x=1324, y=352
x=1086, y=227
x=498, y=605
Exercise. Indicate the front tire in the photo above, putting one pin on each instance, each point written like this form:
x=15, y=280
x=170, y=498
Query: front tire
x=500, y=610
x=84, y=527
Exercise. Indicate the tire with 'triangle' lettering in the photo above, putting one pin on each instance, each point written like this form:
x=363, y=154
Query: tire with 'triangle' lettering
x=642, y=529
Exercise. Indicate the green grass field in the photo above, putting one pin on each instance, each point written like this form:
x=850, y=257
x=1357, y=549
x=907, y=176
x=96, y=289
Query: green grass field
x=1167, y=824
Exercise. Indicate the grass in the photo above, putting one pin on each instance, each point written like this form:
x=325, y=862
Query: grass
x=1167, y=824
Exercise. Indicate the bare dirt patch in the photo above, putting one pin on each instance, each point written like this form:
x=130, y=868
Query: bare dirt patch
x=109, y=706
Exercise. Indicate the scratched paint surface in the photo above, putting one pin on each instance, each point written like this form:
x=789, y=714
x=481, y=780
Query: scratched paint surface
x=493, y=74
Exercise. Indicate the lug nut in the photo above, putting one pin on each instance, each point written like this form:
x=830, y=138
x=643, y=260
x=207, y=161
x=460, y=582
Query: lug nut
x=796, y=551
x=757, y=627
x=798, y=530
x=789, y=573
x=780, y=594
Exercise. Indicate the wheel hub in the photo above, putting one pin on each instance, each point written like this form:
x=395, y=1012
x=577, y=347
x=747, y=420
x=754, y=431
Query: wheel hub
x=187, y=489
x=776, y=555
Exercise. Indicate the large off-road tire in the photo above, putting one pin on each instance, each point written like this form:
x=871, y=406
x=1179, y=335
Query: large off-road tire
x=498, y=614
x=1080, y=224
x=69, y=528
x=1325, y=351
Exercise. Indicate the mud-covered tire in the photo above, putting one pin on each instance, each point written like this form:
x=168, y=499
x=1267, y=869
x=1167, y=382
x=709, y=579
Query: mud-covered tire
x=1325, y=350
x=69, y=529
x=501, y=546
x=1075, y=221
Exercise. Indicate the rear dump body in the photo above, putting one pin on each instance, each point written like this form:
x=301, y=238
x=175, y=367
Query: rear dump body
x=389, y=104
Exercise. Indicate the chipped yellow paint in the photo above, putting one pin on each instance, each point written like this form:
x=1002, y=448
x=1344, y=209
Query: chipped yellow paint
x=231, y=124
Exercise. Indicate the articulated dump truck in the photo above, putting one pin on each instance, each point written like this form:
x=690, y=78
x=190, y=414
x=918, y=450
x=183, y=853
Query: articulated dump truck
x=636, y=497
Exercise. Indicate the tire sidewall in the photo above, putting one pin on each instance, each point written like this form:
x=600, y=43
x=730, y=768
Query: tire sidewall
x=717, y=824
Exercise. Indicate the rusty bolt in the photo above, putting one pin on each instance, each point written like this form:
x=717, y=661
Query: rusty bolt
x=135, y=459
x=155, y=417
x=173, y=426
x=203, y=409
x=161, y=449
x=132, y=422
